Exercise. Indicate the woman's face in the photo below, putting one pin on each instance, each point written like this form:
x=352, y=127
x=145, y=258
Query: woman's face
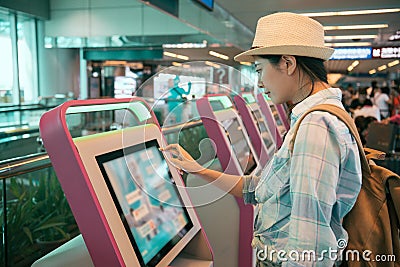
x=275, y=79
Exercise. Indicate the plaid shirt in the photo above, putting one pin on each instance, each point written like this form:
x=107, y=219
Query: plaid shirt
x=301, y=198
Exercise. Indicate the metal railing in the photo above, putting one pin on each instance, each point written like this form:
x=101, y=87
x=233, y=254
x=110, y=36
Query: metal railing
x=13, y=168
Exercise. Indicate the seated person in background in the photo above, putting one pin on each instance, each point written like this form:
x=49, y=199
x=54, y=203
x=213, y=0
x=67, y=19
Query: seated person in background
x=347, y=96
x=395, y=119
x=396, y=101
x=357, y=103
x=368, y=110
x=382, y=100
x=362, y=124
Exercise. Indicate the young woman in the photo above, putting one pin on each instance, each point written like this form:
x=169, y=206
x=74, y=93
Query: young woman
x=300, y=197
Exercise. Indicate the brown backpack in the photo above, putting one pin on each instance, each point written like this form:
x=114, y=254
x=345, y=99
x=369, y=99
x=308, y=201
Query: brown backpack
x=373, y=223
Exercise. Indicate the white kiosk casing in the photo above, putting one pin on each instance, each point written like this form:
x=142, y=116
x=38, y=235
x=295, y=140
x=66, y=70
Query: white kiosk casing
x=259, y=133
x=235, y=153
x=98, y=203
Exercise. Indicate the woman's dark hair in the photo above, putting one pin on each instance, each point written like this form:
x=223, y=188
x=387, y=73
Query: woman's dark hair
x=385, y=90
x=313, y=67
x=367, y=102
x=362, y=124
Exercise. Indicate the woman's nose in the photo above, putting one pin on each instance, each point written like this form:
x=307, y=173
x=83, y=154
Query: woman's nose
x=260, y=84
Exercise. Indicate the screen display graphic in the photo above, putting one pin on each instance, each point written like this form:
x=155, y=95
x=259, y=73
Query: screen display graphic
x=146, y=198
x=239, y=145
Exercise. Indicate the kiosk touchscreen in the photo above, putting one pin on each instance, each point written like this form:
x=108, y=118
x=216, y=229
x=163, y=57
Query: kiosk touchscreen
x=236, y=156
x=130, y=204
x=272, y=117
x=239, y=145
x=260, y=136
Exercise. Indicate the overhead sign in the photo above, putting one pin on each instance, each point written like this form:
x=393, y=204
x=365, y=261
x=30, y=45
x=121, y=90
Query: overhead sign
x=169, y=6
x=395, y=37
x=352, y=53
x=209, y=4
x=386, y=52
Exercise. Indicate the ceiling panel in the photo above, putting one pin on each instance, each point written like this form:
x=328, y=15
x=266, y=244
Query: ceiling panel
x=254, y=9
x=250, y=12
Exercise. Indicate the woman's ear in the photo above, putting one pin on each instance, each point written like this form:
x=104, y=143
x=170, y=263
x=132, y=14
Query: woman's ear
x=289, y=64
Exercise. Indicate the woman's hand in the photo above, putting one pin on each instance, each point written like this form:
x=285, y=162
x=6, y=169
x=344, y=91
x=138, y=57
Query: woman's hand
x=181, y=159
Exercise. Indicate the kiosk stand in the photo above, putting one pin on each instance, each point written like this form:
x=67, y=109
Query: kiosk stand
x=131, y=206
x=260, y=136
x=236, y=157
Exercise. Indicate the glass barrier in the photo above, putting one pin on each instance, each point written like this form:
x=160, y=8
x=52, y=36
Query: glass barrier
x=34, y=212
x=35, y=215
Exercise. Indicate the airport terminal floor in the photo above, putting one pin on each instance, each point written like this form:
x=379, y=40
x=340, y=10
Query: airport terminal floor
x=163, y=133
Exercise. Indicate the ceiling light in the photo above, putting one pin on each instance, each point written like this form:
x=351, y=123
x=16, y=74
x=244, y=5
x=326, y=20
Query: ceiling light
x=373, y=71
x=115, y=62
x=169, y=54
x=350, y=37
x=177, y=64
x=383, y=67
x=395, y=37
x=216, y=54
x=209, y=63
x=353, y=65
x=355, y=27
x=351, y=12
x=245, y=63
x=393, y=63
x=333, y=77
x=182, y=57
x=355, y=44
x=186, y=45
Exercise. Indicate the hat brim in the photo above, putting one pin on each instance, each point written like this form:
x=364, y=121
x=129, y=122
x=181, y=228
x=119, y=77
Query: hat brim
x=294, y=50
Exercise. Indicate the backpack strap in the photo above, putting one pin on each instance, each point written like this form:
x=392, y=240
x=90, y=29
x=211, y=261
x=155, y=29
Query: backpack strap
x=374, y=154
x=342, y=115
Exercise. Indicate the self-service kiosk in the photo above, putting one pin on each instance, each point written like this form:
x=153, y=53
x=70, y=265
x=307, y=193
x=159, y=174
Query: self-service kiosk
x=282, y=111
x=131, y=206
x=274, y=121
x=259, y=133
x=227, y=221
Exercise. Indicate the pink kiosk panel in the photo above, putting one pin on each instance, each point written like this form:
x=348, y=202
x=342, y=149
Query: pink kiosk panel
x=213, y=121
x=282, y=113
x=258, y=131
x=85, y=196
x=273, y=119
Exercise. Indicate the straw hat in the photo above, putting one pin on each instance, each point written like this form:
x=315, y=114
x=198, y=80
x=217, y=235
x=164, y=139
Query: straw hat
x=287, y=34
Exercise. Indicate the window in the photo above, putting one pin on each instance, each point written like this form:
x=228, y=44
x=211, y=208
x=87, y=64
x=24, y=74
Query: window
x=18, y=82
x=6, y=63
x=26, y=32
